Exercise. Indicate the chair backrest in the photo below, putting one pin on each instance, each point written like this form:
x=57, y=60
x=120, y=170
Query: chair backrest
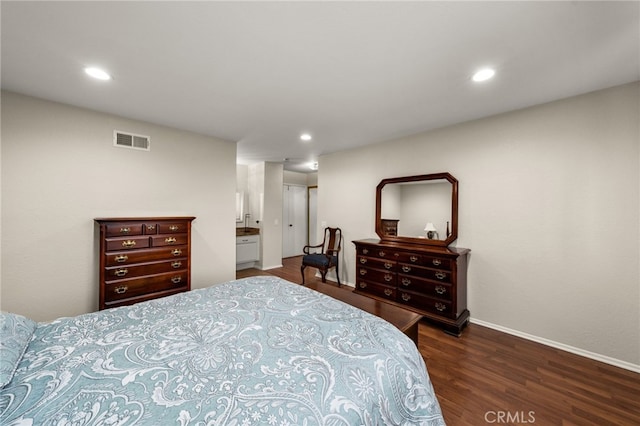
x=332, y=241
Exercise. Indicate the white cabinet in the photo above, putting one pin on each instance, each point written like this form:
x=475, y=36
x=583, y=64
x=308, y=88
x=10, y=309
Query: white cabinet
x=247, y=250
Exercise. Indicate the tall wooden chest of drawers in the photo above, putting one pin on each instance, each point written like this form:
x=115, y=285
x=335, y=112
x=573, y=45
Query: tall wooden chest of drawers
x=143, y=258
x=429, y=280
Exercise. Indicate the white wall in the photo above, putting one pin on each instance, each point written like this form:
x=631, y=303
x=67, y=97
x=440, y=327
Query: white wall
x=264, y=182
x=549, y=205
x=60, y=170
x=272, y=224
x=312, y=179
x=294, y=178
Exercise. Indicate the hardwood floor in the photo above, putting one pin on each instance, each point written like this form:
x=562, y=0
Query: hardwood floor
x=489, y=377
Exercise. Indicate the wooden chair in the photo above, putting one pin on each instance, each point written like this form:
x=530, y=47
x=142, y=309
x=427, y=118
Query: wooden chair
x=324, y=256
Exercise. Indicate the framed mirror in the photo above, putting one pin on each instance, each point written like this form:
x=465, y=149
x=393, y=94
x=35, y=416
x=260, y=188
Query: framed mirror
x=419, y=209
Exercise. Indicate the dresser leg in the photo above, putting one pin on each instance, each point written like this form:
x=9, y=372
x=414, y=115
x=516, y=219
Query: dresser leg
x=453, y=331
x=456, y=329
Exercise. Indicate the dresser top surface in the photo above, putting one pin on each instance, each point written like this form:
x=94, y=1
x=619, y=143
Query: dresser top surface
x=452, y=251
x=141, y=219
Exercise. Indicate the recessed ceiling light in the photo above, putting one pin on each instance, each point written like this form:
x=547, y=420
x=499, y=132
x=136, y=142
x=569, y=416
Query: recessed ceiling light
x=483, y=74
x=97, y=73
x=305, y=137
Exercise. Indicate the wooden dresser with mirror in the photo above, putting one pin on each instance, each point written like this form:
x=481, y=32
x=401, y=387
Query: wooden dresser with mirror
x=411, y=264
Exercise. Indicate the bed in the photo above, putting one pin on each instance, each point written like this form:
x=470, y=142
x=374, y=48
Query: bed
x=255, y=351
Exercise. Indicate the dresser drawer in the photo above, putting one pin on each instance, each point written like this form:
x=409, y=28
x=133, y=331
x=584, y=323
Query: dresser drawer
x=372, y=262
x=420, y=301
x=429, y=288
x=126, y=271
x=431, y=274
x=121, y=258
x=123, y=229
x=168, y=240
x=173, y=227
x=381, y=290
x=126, y=243
x=377, y=275
x=378, y=252
x=125, y=289
x=425, y=260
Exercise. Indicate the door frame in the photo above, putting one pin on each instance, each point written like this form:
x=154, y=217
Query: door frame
x=315, y=213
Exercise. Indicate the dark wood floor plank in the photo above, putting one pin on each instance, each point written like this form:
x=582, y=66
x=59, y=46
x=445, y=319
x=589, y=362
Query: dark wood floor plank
x=486, y=373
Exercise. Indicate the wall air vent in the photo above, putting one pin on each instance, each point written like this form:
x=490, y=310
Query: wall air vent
x=131, y=140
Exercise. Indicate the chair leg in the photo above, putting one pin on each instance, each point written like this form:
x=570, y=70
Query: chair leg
x=302, y=272
x=323, y=272
x=338, y=275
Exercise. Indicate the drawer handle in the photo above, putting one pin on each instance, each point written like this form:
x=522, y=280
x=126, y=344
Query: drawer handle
x=121, y=258
x=125, y=230
x=388, y=265
x=406, y=281
x=406, y=297
x=363, y=285
x=120, y=272
x=363, y=260
x=388, y=277
x=363, y=272
x=176, y=280
x=440, y=306
x=441, y=275
x=406, y=268
x=170, y=240
x=382, y=253
x=437, y=262
x=128, y=243
x=174, y=228
x=365, y=251
x=176, y=252
x=414, y=259
x=121, y=289
x=388, y=292
x=441, y=289
x=176, y=264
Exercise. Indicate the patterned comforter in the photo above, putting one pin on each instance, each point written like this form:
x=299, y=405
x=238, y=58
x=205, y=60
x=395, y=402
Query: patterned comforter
x=256, y=351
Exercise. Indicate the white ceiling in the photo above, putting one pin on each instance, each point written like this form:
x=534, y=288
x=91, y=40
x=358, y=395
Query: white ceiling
x=350, y=73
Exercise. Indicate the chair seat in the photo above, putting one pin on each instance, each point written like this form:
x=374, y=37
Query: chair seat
x=318, y=260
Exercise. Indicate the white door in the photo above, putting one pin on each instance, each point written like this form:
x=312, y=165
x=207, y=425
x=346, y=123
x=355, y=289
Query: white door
x=294, y=220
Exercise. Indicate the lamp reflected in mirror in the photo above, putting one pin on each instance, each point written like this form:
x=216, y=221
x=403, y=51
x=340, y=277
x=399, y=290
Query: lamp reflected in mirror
x=432, y=232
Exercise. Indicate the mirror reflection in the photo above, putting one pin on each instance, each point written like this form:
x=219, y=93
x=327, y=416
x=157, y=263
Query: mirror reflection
x=417, y=209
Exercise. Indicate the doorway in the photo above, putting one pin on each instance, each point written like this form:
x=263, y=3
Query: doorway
x=294, y=219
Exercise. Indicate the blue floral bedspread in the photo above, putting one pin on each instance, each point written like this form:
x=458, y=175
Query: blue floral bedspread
x=256, y=351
